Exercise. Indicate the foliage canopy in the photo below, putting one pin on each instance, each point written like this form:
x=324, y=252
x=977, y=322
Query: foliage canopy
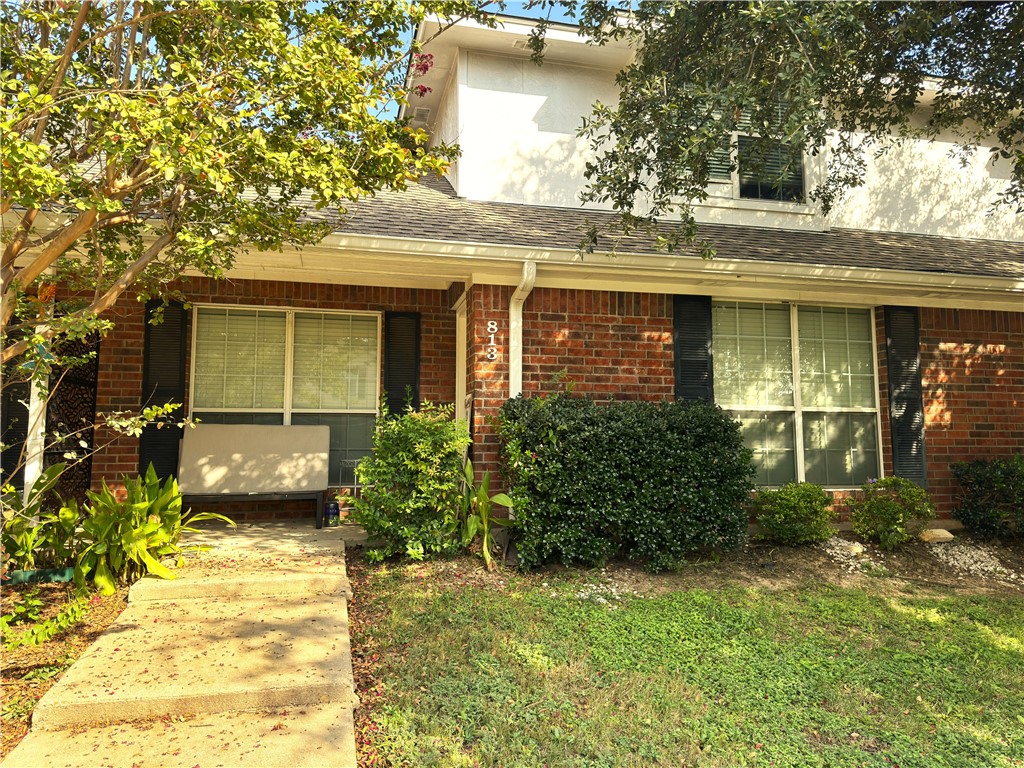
x=143, y=138
x=846, y=77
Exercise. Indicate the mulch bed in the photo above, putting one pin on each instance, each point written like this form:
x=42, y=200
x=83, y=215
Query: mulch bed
x=31, y=670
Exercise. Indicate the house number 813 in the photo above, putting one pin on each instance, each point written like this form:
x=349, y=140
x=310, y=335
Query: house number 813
x=492, y=346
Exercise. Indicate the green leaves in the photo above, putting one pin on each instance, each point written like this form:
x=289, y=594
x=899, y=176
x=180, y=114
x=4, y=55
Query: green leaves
x=477, y=504
x=202, y=127
x=32, y=536
x=646, y=481
x=796, y=513
x=890, y=511
x=126, y=539
x=992, y=495
x=411, y=498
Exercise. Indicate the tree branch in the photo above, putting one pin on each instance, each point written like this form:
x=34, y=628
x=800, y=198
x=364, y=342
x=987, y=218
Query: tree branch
x=104, y=302
x=82, y=223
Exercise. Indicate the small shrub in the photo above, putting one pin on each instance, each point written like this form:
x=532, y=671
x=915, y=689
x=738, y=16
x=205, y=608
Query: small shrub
x=796, y=513
x=992, y=496
x=412, y=483
x=646, y=481
x=890, y=511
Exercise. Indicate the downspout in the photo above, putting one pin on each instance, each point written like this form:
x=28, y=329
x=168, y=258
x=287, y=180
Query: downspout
x=515, y=328
x=461, y=368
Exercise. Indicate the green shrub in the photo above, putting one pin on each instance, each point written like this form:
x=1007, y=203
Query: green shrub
x=992, y=496
x=796, y=513
x=890, y=511
x=125, y=540
x=412, y=483
x=645, y=481
x=33, y=536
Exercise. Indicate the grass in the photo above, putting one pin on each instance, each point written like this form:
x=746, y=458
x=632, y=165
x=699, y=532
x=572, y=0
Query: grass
x=564, y=670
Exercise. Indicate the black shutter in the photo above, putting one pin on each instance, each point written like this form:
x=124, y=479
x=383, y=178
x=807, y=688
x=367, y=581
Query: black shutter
x=163, y=381
x=906, y=406
x=401, y=360
x=691, y=329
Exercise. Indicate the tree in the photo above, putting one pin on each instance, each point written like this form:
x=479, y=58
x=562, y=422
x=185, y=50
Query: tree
x=142, y=138
x=849, y=76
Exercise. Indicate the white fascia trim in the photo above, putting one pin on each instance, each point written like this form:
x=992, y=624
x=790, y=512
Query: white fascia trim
x=994, y=292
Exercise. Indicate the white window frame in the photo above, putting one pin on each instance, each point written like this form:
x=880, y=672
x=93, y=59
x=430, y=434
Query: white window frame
x=289, y=359
x=797, y=408
x=733, y=185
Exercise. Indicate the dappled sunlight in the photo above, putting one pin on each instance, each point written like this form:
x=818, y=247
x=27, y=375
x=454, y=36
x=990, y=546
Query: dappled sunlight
x=923, y=187
x=999, y=640
x=931, y=615
x=531, y=655
x=955, y=366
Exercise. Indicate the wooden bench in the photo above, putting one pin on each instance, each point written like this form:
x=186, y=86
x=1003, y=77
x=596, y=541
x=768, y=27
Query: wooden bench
x=221, y=462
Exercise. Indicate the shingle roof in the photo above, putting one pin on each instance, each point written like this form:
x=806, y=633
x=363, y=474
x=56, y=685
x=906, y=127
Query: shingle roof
x=431, y=210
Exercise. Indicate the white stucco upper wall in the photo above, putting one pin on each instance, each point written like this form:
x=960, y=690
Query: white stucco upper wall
x=928, y=188
x=516, y=124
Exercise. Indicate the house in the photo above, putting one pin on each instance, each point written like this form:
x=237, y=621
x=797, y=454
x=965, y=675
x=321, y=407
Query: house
x=886, y=337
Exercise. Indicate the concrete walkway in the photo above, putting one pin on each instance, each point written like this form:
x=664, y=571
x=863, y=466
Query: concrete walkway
x=243, y=660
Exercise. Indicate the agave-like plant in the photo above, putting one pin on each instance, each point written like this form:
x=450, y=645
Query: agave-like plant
x=127, y=539
x=476, y=512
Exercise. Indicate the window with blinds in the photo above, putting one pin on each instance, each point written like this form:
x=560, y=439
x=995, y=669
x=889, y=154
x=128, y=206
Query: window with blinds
x=270, y=366
x=775, y=172
x=808, y=410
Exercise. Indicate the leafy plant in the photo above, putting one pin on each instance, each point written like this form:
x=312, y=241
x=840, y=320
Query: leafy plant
x=890, y=511
x=992, y=496
x=646, y=481
x=796, y=513
x=215, y=119
x=26, y=532
x=126, y=540
x=27, y=609
x=42, y=631
x=476, y=511
x=411, y=483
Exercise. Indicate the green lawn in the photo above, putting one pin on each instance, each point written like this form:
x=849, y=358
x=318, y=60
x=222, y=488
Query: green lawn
x=556, y=670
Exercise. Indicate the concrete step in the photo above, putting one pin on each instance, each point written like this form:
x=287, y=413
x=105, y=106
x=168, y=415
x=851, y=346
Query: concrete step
x=272, y=582
x=320, y=736
x=167, y=657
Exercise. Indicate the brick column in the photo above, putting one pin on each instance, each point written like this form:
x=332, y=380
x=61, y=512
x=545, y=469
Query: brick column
x=487, y=364
x=119, y=388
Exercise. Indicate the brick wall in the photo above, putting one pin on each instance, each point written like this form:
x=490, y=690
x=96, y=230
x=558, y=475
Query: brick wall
x=119, y=388
x=607, y=345
x=972, y=365
x=615, y=346
x=120, y=376
x=487, y=379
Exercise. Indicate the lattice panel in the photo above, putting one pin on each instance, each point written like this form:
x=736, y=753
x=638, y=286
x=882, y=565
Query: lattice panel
x=71, y=411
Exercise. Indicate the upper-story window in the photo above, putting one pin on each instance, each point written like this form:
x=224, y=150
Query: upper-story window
x=775, y=172
x=779, y=175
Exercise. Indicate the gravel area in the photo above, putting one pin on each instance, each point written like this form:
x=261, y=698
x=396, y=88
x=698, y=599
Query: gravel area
x=851, y=556
x=975, y=560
